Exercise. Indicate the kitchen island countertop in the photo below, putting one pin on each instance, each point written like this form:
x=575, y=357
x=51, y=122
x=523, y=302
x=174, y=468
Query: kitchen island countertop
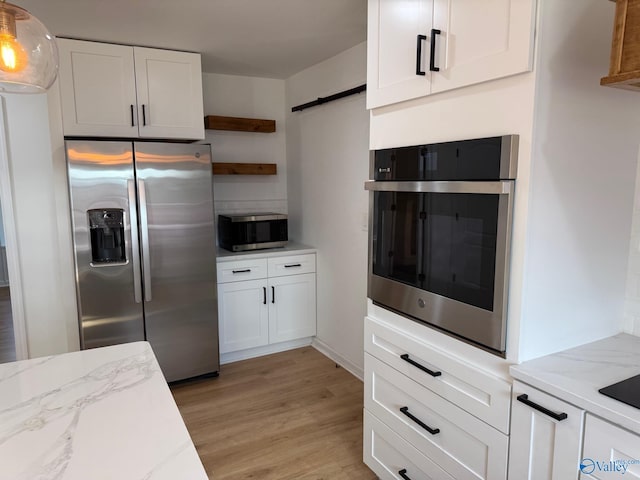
x=96, y=414
x=576, y=375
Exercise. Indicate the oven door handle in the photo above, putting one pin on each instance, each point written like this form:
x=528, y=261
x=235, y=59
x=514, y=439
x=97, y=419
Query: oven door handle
x=500, y=187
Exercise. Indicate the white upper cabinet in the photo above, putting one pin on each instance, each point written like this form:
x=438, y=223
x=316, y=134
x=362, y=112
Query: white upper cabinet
x=122, y=91
x=98, y=89
x=397, y=51
x=169, y=86
x=420, y=47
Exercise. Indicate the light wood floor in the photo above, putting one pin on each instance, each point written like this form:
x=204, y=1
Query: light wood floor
x=291, y=415
x=7, y=341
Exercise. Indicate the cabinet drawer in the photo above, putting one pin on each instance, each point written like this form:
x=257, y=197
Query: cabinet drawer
x=240, y=270
x=479, y=393
x=465, y=447
x=291, y=265
x=387, y=454
x=609, y=445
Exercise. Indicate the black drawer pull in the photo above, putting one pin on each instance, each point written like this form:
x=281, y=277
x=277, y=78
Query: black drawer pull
x=419, y=70
x=524, y=398
x=264, y=295
x=132, y=120
x=405, y=357
x=273, y=294
x=246, y=270
x=293, y=265
x=144, y=115
x=432, y=60
x=403, y=474
x=432, y=431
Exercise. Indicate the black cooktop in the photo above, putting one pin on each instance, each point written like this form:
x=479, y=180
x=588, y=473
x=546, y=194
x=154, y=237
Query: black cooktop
x=626, y=391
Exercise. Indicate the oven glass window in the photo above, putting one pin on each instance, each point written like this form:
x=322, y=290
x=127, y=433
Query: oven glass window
x=444, y=243
x=459, y=257
x=397, y=237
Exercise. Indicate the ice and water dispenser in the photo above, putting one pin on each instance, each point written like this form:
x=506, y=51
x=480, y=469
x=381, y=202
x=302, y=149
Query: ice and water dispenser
x=106, y=226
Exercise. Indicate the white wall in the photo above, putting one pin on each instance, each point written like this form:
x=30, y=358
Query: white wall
x=249, y=97
x=328, y=162
x=576, y=170
x=41, y=215
x=582, y=182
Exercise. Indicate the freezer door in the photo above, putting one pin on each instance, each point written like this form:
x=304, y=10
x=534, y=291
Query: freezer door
x=102, y=191
x=178, y=256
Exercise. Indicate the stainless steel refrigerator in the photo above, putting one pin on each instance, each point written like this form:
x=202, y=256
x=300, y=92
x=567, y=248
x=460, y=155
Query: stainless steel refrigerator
x=144, y=243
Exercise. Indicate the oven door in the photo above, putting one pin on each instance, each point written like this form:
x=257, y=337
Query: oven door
x=438, y=253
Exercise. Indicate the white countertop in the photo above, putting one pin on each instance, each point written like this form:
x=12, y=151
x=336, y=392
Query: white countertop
x=577, y=374
x=292, y=248
x=97, y=414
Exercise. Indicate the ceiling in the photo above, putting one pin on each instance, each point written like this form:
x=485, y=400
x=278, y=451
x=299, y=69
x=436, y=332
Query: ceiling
x=263, y=38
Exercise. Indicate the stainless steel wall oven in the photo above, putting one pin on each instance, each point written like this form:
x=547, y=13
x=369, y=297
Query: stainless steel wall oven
x=439, y=236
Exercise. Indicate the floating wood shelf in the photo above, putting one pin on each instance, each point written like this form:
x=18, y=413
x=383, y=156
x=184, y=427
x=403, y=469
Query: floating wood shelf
x=237, y=124
x=624, y=66
x=244, y=168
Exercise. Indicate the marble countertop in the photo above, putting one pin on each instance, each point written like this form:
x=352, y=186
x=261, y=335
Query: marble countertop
x=97, y=414
x=577, y=374
x=292, y=248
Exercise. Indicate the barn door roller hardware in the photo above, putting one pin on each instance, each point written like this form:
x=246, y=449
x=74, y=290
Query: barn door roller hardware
x=330, y=98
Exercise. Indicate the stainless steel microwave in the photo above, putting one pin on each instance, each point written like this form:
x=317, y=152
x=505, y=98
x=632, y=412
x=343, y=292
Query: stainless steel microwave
x=440, y=232
x=252, y=231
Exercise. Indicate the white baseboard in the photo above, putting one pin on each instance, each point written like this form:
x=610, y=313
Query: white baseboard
x=264, y=350
x=327, y=351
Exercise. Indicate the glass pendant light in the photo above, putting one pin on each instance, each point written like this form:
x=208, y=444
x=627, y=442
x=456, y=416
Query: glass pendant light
x=28, y=52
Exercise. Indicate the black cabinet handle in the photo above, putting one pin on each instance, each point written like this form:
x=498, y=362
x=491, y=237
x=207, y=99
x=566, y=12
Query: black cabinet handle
x=419, y=70
x=264, y=295
x=524, y=398
x=273, y=294
x=133, y=123
x=405, y=357
x=403, y=474
x=144, y=115
x=293, y=265
x=432, y=431
x=432, y=59
x=246, y=270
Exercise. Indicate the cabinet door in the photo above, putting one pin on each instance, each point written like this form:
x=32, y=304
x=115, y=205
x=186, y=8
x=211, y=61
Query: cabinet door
x=610, y=452
x=481, y=41
x=169, y=86
x=292, y=308
x=243, y=312
x=97, y=89
x=543, y=447
x=392, y=50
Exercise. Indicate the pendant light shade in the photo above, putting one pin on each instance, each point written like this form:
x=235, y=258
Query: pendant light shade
x=28, y=52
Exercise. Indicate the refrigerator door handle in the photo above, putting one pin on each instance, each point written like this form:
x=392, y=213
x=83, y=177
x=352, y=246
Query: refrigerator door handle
x=135, y=245
x=144, y=230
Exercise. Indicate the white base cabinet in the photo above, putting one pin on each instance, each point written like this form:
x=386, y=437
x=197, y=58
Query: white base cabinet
x=266, y=301
x=546, y=436
x=243, y=315
x=419, y=47
x=122, y=91
x=609, y=451
x=454, y=417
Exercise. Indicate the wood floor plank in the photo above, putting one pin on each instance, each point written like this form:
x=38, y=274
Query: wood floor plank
x=291, y=415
